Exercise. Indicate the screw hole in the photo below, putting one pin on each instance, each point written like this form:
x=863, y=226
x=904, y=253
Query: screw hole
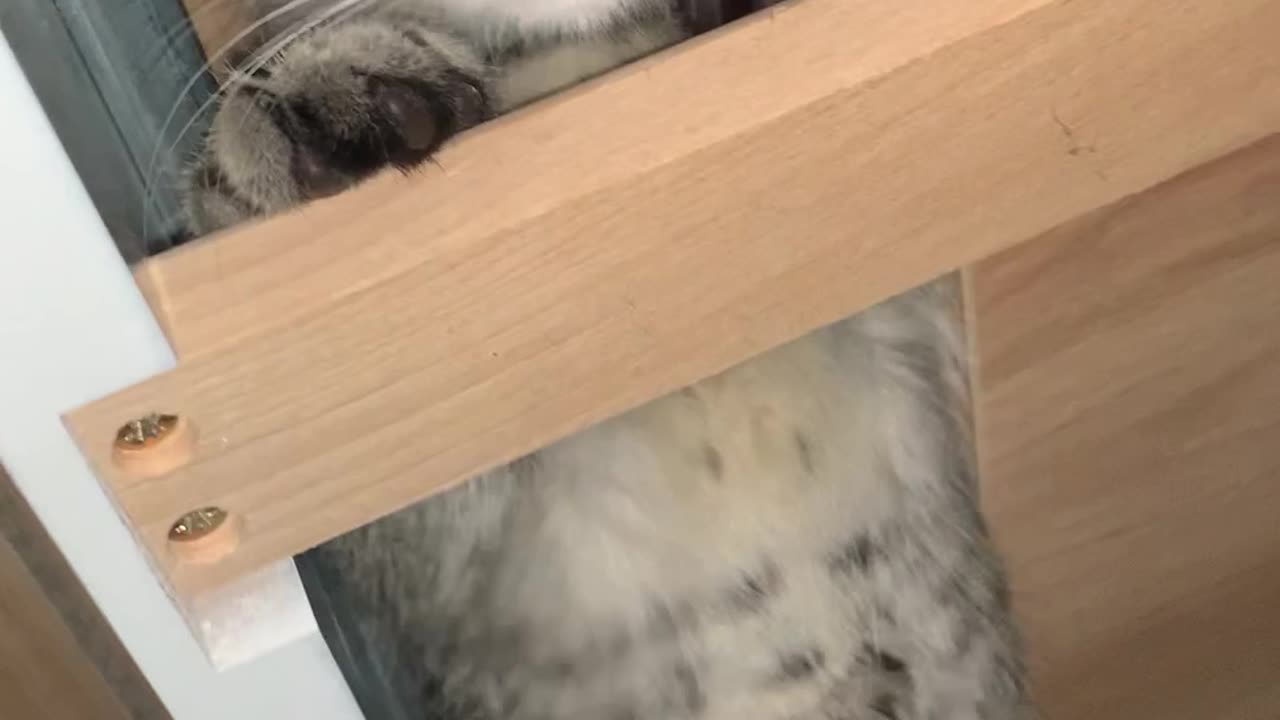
x=146, y=431
x=153, y=445
x=204, y=536
x=197, y=524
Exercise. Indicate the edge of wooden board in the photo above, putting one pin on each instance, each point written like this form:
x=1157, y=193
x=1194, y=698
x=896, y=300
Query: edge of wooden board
x=579, y=143
x=431, y=361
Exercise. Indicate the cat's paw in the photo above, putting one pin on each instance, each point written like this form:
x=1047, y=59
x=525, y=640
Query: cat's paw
x=334, y=108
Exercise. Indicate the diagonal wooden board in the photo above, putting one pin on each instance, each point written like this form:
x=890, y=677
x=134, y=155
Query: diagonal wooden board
x=597, y=251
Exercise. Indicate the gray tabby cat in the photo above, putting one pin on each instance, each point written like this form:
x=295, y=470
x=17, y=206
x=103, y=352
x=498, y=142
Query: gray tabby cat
x=797, y=538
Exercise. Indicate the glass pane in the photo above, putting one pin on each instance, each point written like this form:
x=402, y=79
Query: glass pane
x=121, y=81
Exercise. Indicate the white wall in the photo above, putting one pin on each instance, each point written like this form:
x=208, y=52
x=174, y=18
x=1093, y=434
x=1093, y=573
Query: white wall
x=73, y=328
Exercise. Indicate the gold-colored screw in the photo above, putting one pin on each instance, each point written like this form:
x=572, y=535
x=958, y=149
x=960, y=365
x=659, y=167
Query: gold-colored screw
x=197, y=524
x=145, y=431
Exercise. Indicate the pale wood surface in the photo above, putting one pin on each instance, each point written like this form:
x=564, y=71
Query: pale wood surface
x=1130, y=418
x=595, y=252
x=588, y=148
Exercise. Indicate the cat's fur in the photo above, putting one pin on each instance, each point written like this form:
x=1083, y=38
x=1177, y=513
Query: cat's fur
x=390, y=82
x=797, y=538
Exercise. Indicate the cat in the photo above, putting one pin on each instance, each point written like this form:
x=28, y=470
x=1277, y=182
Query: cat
x=386, y=82
x=797, y=538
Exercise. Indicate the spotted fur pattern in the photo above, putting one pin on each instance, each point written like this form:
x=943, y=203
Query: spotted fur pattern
x=797, y=538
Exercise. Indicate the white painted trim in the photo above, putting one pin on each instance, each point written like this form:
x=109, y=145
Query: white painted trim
x=73, y=328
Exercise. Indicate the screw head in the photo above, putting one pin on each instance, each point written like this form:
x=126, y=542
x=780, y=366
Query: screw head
x=145, y=431
x=153, y=445
x=198, y=524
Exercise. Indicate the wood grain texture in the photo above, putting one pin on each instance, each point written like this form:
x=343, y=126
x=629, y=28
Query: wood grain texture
x=1130, y=418
x=588, y=148
x=59, y=659
x=596, y=252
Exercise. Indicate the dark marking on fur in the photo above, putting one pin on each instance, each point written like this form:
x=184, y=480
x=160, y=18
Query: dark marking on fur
x=211, y=178
x=799, y=666
x=603, y=655
x=180, y=236
x=805, y=450
x=956, y=599
x=260, y=95
x=414, y=36
x=753, y=594
x=1003, y=597
x=406, y=121
x=525, y=469
x=885, y=705
x=662, y=624
x=885, y=661
x=617, y=647
x=691, y=694
x=713, y=460
x=1013, y=672
x=859, y=554
x=964, y=632
x=561, y=670
x=668, y=621
x=885, y=614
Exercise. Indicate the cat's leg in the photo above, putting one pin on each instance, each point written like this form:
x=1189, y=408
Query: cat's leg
x=416, y=583
x=929, y=572
x=352, y=98
x=945, y=648
x=532, y=75
x=337, y=105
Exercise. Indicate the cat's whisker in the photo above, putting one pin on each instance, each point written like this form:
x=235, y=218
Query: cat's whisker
x=265, y=55
x=181, y=31
x=219, y=56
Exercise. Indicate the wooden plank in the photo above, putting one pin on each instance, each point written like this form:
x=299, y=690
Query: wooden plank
x=578, y=147
x=58, y=657
x=361, y=367
x=1130, y=406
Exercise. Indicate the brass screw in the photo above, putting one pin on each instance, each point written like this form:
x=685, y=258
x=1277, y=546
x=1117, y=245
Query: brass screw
x=145, y=431
x=197, y=524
